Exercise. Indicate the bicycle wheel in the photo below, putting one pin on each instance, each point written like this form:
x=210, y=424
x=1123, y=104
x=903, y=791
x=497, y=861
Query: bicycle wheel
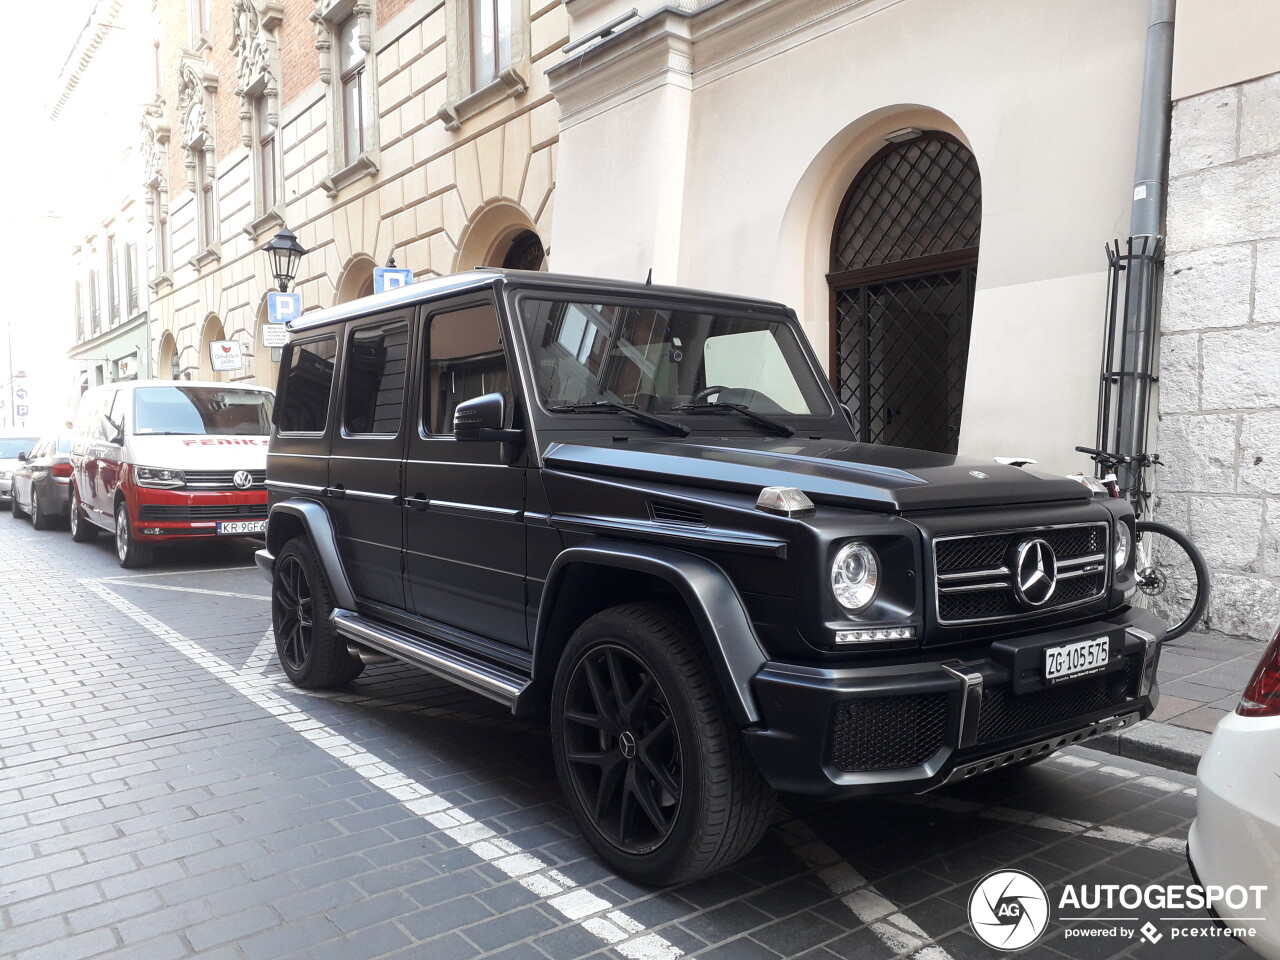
x=1173, y=581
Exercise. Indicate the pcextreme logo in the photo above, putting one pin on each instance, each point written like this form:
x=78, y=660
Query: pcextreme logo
x=1009, y=910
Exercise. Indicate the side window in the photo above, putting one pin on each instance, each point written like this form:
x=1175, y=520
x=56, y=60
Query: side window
x=303, y=406
x=375, y=373
x=464, y=360
x=100, y=409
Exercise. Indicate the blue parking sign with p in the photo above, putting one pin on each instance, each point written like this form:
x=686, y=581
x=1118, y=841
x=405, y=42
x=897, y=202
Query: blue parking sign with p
x=283, y=307
x=388, y=278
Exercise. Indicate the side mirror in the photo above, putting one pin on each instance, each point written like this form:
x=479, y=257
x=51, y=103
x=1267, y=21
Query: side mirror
x=22, y=456
x=111, y=430
x=472, y=418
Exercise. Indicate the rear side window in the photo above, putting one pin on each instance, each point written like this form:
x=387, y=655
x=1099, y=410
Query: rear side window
x=464, y=361
x=304, y=404
x=375, y=375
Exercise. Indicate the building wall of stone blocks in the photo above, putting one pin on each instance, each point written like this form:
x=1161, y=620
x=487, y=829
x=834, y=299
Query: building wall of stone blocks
x=1219, y=390
x=436, y=195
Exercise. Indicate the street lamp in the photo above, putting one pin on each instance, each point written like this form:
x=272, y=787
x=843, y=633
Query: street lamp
x=286, y=253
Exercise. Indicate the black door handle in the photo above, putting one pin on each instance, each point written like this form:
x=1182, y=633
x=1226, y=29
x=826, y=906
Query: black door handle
x=337, y=491
x=418, y=501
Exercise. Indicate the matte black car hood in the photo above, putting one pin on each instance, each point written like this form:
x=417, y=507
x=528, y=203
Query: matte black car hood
x=865, y=475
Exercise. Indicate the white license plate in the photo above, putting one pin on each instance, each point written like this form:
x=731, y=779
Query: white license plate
x=242, y=526
x=1076, y=659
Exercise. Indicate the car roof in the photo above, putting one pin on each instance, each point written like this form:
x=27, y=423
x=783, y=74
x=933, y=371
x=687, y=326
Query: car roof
x=215, y=384
x=482, y=278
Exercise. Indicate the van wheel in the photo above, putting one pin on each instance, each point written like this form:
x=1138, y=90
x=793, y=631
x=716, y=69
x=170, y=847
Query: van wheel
x=310, y=650
x=129, y=551
x=82, y=531
x=654, y=770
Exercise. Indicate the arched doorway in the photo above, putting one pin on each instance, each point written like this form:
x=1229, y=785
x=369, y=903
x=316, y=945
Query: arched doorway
x=210, y=333
x=525, y=252
x=904, y=256
x=500, y=234
x=168, y=366
x=356, y=280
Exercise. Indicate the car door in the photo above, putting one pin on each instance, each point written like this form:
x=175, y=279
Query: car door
x=365, y=457
x=23, y=473
x=463, y=505
x=111, y=454
x=93, y=452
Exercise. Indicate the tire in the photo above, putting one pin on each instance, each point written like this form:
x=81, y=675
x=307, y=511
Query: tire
x=658, y=779
x=82, y=530
x=129, y=551
x=14, y=510
x=1173, y=582
x=314, y=657
x=39, y=519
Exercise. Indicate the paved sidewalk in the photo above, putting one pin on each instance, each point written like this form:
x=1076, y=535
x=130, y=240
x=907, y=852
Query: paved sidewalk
x=1201, y=678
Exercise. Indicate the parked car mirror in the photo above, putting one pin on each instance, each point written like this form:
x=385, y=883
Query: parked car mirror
x=473, y=417
x=22, y=456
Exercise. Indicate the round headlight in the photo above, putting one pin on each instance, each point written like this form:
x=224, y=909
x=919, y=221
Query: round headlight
x=854, y=576
x=1120, y=555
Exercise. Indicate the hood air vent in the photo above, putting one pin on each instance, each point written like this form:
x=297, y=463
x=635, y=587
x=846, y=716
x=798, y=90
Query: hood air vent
x=671, y=511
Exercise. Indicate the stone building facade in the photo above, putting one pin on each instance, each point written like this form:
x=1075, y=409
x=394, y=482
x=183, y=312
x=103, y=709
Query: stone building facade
x=422, y=130
x=1219, y=389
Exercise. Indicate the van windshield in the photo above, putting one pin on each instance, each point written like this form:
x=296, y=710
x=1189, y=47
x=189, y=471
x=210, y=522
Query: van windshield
x=201, y=410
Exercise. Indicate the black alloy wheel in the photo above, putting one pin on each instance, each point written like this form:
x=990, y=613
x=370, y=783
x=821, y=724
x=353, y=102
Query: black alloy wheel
x=82, y=531
x=309, y=648
x=622, y=748
x=652, y=765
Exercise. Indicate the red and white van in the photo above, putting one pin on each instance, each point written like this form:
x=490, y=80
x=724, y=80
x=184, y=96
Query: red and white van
x=156, y=460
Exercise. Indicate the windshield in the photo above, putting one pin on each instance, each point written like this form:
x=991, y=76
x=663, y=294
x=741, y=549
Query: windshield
x=201, y=410
x=662, y=359
x=10, y=447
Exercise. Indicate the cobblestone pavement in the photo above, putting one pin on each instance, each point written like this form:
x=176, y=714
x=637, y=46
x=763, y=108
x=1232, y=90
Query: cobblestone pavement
x=164, y=793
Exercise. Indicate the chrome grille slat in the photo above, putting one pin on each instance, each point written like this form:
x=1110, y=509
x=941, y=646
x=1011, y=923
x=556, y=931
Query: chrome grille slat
x=972, y=584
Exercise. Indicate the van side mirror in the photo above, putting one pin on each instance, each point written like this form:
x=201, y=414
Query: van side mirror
x=22, y=456
x=111, y=430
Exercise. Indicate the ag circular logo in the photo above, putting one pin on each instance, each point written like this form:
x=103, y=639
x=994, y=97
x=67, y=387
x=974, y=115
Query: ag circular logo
x=1009, y=910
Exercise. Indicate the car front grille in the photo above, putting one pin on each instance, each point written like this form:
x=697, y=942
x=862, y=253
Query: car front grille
x=1006, y=714
x=220, y=479
x=181, y=513
x=974, y=575
x=888, y=733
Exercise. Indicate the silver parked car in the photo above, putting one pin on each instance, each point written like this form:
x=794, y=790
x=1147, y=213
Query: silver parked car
x=12, y=444
x=42, y=481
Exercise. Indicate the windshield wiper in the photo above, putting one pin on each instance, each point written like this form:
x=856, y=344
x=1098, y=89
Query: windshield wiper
x=635, y=413
x=777, y=426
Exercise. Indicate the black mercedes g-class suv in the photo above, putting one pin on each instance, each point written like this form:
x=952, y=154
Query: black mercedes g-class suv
x=641, y=513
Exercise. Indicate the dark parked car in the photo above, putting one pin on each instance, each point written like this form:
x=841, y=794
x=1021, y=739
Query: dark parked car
x=41, y=481
x=642, y=514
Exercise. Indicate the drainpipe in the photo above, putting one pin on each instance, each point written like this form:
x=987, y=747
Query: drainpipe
x=1141, y=318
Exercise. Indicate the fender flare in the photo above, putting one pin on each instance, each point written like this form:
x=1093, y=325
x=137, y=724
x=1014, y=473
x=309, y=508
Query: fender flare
x=318, y=527
x=718, y=612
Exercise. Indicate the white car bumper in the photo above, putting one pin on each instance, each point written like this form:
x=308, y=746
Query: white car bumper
x=1235, y=838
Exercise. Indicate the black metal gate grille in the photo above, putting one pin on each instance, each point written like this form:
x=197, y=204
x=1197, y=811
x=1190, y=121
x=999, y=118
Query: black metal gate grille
x=904, y=258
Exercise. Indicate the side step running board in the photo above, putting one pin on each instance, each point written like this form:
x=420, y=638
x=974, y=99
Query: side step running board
x=495, y=682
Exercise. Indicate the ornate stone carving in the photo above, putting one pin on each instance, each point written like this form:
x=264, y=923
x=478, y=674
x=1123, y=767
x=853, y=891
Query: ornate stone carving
x=196, y=87
x=327, y=34
x=255, y=42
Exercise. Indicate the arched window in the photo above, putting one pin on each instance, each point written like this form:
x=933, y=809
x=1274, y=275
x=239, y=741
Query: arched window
x=525, y=252
x=904, y=255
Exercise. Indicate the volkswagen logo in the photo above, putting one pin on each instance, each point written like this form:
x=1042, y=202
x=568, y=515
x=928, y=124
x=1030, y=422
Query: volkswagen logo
x=1035, y=572
x=1009, y=910
x=243, y=479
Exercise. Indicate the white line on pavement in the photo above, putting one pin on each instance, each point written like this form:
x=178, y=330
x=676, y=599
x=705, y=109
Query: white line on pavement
x=173, y=573
x=898, y=932
x=261, y=655
x=212, y=593
x=591, y=912
x=1083, y=763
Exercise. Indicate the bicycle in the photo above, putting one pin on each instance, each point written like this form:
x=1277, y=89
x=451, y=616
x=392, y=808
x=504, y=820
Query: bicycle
x=1173, y=579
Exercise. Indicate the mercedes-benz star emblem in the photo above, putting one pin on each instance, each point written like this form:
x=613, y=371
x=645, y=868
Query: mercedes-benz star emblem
x=1035, y=572
x=243, y=479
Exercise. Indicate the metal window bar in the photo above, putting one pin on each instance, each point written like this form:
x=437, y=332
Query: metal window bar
x=1135, y=267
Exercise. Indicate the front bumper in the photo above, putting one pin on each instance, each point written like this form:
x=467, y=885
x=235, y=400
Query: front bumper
x=159, y=514
x=6, y=490
x=913, y=727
